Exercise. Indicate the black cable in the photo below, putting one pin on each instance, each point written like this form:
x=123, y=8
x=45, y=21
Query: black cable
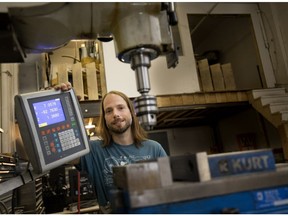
x=75, y=60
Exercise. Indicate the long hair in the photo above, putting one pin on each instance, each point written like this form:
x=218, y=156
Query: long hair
x=139, y=134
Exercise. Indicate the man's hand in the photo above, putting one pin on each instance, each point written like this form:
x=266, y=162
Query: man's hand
x=63, y=86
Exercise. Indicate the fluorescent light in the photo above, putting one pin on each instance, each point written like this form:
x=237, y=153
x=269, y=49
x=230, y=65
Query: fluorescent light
x=90, y=126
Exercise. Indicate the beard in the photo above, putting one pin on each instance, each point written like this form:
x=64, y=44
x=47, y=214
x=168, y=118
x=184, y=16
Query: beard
x=114, y=128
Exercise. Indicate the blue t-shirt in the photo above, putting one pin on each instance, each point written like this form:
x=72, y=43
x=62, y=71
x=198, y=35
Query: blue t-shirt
x=99, y=161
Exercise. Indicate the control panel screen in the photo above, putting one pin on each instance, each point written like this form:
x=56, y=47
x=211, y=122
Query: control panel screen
x=51, y=127
x=49, y=112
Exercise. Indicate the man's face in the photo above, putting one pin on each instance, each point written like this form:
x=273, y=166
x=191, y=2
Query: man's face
x=117, y=114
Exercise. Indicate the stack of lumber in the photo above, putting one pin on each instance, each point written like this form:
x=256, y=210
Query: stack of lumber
x=216, y=77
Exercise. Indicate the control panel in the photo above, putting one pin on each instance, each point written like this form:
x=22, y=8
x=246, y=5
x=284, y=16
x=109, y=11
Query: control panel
x=51, y=127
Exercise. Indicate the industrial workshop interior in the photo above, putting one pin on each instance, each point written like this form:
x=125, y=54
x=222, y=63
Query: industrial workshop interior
x=208, y=81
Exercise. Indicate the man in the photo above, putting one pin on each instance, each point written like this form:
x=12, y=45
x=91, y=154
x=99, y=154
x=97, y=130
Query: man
x=123, y=141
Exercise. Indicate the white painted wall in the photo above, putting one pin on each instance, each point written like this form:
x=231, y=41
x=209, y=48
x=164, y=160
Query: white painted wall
x=119, y=76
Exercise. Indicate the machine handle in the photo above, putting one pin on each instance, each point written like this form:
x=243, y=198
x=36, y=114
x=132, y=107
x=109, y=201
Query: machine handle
x=172, y=16
x=173, y=20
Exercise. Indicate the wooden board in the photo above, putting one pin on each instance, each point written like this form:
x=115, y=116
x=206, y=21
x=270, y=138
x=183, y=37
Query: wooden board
x=228, y=76
x=205, y=76
x=102, y=80
x=62, y=73
x=217, y=77
x=77, y=76
x=92, y=85
x=210, y=98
